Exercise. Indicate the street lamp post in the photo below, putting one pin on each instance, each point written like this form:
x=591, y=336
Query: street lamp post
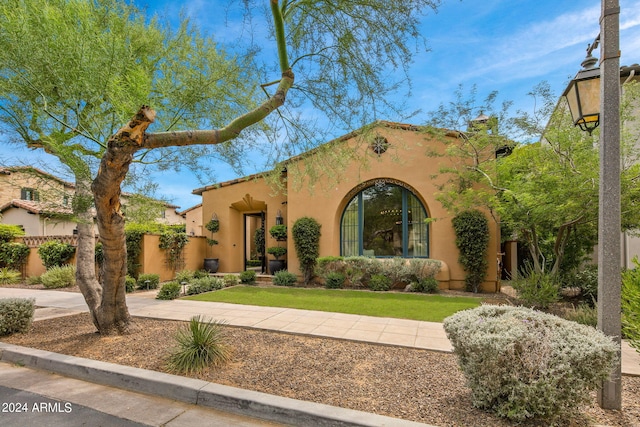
x=582, y=95
x=609, y=223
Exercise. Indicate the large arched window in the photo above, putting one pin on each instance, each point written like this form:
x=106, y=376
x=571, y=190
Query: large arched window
x=384, y=220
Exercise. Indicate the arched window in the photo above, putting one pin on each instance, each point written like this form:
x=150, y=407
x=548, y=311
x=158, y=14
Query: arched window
x=384, y=220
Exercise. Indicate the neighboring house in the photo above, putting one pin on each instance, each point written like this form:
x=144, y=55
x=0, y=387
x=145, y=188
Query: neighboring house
x=36, y=200
x=193, y=220
x=41, y=202
x=381, y=202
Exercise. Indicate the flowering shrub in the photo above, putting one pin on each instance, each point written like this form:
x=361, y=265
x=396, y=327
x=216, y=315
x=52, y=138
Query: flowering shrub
x=523, y=364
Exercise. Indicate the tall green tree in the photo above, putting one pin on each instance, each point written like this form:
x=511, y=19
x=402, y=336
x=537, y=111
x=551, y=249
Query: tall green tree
x=544, y=193
x=74, y=71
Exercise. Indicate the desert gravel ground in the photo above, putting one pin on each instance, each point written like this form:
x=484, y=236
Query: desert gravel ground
x=406, y=383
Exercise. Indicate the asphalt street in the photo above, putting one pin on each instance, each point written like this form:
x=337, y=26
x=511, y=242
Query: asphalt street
x=20, y=408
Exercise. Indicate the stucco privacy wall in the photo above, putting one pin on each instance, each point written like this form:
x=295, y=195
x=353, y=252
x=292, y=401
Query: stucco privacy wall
x=324, y=198
x=153, y=259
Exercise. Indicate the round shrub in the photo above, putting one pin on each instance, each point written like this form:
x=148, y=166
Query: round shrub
x=378, y=282
x=153, y=279
x=248, y=277
x=55, y=253
x=170, y=290
x=334, y=280
x=427, y=285
x=16, y=315
x=284, y=278
x=59, y=277
x=231, y=280
x=13, y=255
x=521, y=363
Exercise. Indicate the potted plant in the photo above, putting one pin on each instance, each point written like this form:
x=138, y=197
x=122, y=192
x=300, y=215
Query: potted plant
x=211, y=264
x=279, y=232
x=276, y=264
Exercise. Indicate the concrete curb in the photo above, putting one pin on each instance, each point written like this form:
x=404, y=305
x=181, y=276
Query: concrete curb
x=230, y=399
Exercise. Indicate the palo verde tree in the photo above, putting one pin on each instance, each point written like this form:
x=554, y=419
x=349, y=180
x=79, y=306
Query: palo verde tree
x=75, y=71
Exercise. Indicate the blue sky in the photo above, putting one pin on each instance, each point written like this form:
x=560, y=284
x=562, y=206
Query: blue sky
x=504, y=45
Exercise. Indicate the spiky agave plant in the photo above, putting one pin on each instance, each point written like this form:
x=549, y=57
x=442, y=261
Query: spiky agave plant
x=200, y=344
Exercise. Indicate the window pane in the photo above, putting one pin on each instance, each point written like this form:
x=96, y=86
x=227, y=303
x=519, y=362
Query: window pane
x=382, y=228
x=417, y=228
x=350, y=235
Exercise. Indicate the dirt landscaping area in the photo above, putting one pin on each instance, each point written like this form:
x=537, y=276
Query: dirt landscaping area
x=406, y=383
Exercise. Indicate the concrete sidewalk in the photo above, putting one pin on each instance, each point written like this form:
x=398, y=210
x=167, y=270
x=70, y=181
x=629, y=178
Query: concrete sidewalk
x=379, y=330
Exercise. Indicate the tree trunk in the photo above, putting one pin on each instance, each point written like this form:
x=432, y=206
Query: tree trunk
x=112, y=316
x=85, y=253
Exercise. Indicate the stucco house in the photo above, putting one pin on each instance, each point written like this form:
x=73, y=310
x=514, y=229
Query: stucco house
x=40, y=202
x=373, y=191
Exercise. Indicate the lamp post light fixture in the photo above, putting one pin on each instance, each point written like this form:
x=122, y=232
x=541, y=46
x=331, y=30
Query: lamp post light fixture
x=583, y=93
x=581, y=96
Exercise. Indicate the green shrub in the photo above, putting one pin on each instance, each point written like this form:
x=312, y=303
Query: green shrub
x=248, y=277
x=13, y=255
x=8, y=232
x=584, y=314
x=34, y=280
x=284, y=278
x=358, y=270
x=472, y=239
x=199, y=274
x=169, y=290
x=306, y=238
x=55, y=253
x=230, y=280
x=379, y=282
x=537, y=290
x=585, y=279
x=631, y=305
x=279, y=232
x=200, y=345
x=9, y=276
x=427, y=285
x=329, y=264
x=16, y=315
x=419, y=269
x=334, y=280
x=521, y=363
x=129, y=284
x=59, y=277
x=204, y=284
x=173, y=242
x=184, y=276
x=153, y=279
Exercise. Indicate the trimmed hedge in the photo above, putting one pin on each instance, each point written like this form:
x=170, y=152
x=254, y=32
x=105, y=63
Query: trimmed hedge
x=524, y=364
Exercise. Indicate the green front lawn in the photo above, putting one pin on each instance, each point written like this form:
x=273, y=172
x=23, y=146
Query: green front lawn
x=431, y=308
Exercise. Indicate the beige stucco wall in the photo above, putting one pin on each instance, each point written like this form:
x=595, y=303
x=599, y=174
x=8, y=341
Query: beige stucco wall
x=406, y=163
x=231, y=203
x=153, y=259
x=193, y=221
